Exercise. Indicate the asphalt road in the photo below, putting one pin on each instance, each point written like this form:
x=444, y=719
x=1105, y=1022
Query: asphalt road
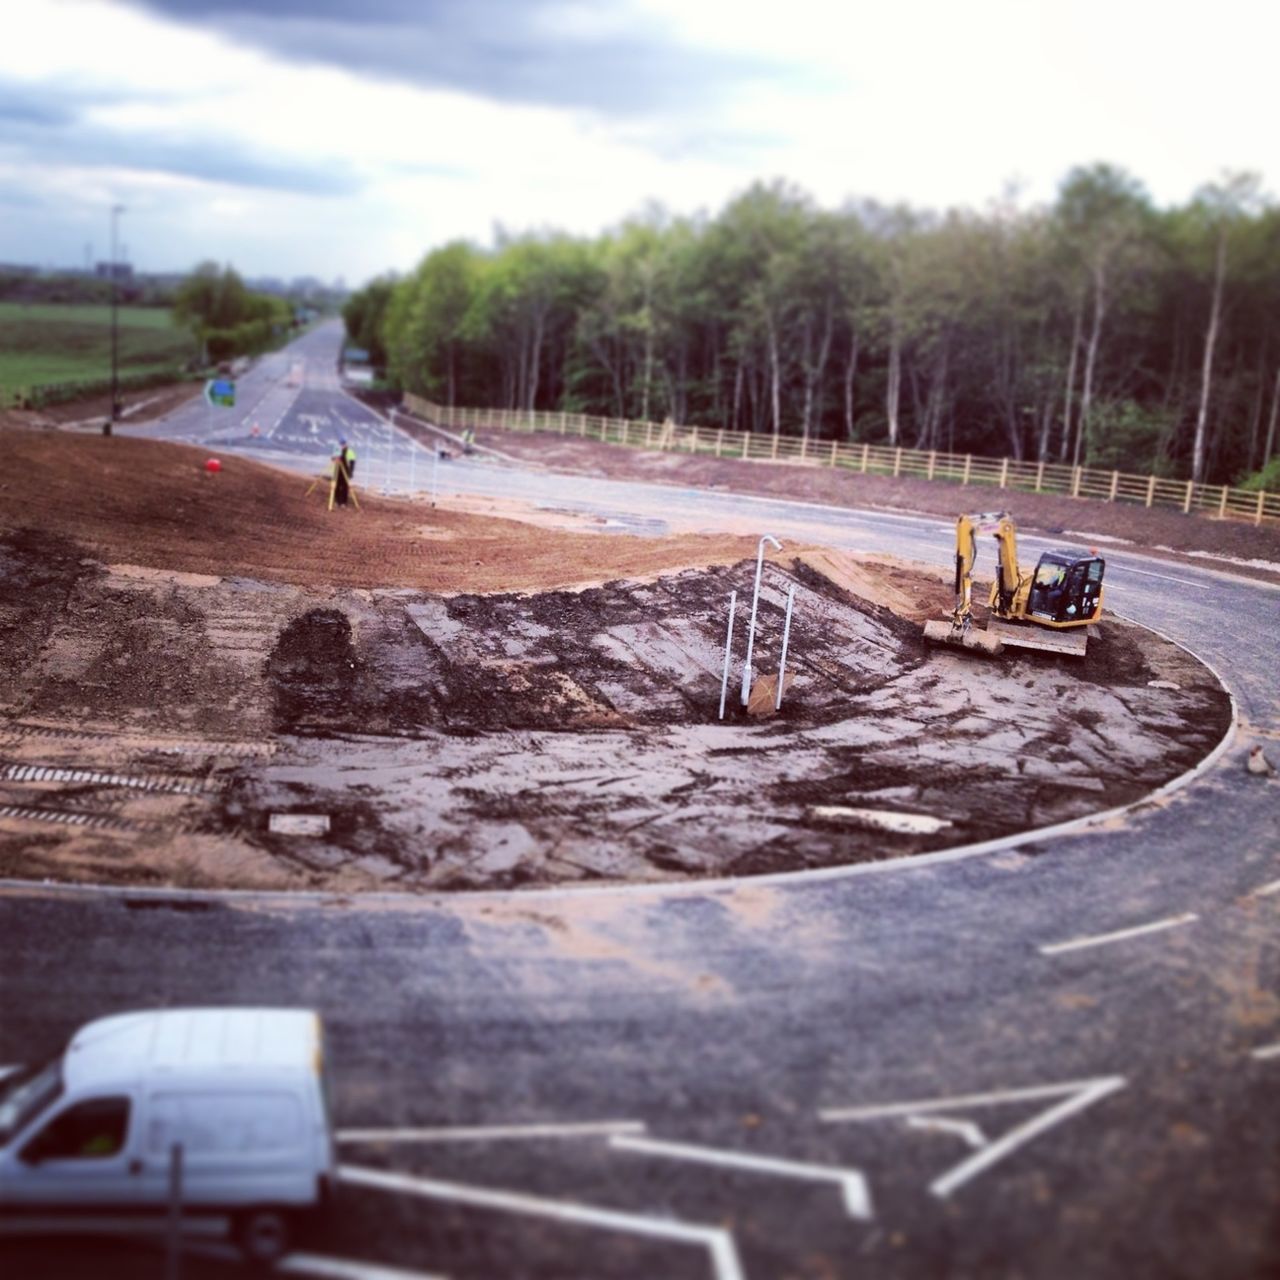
x=1058, y=1058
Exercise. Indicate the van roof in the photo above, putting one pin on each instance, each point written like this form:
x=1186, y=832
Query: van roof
x=129, y=1046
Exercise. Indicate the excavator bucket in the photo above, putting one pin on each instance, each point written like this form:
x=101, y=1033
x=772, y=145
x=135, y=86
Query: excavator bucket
x=963, y=638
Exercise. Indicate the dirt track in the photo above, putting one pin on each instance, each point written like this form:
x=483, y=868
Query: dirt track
x=198, y=653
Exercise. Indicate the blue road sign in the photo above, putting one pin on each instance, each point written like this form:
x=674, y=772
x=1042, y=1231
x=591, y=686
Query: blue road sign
x=220, y=391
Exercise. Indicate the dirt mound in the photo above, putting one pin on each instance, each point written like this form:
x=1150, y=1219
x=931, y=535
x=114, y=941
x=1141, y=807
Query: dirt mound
x=150, y=503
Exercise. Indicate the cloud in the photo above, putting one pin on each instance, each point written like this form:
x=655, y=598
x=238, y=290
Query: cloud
x=605, y=57
x=52, y=125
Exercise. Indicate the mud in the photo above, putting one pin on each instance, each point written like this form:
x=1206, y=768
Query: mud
x=480, y=740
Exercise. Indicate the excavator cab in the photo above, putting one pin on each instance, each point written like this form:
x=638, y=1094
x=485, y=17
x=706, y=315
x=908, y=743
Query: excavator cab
x=1066, y=587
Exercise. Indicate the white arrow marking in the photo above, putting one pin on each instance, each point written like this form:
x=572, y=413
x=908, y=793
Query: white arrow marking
x=1079, y=1095
x=965, y=1130
x=494, y=1133
x=1268, y=1051
x=857, y=1198
x=314, y=1264
x=1266, y=890
x=1101, y=939
x=718, y=1242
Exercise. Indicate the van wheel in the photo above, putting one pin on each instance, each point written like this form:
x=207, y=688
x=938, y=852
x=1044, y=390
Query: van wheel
x=263, y=1236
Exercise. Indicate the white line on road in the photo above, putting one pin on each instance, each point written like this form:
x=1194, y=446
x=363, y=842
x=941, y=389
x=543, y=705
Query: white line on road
x=718, y=1242
x=1267, y=1051
x=1146, y=573
x=8, y=1071
x=1266, y=890
x=314, y=1264
x=1079, y=1095
x=1101, y=939
x=965, y=1130
x=494, y=1133
x=857, y=1196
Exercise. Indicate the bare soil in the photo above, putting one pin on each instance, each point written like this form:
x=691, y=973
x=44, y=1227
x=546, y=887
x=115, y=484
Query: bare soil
x=183, y=656
x=1158, y=531
x=90, y=412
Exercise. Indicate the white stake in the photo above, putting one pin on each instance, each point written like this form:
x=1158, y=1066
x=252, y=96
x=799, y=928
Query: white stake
x=435, y=471
x=386, y=479
x=728, y=643
x=786, y=636
x=413, y=458
x=751, y=628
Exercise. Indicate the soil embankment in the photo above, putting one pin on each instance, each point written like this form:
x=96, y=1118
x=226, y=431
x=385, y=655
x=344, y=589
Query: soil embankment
x=185, y=660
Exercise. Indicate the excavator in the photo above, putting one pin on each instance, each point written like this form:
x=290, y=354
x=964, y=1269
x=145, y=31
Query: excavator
x=1049, y=609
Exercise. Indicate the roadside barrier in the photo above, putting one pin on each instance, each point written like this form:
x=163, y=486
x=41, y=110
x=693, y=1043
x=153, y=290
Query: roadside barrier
x=1218, y=501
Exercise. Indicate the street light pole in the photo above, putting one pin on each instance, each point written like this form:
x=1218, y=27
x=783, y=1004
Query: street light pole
x=116, y=211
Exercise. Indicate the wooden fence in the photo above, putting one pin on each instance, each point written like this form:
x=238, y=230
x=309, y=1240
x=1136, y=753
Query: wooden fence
x=1217, y=500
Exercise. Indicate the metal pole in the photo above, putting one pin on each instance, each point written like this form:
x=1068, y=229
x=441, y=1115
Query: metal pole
x=751, y=628
x=116, y=211
x=728, y=642
x=173, y=1262
x=413, y=458
x=435, y=472
x=786, y=637
x=386, y=475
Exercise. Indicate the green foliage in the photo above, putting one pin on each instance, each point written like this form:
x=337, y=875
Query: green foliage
x=226, y=318
x=1268, y=478
x=968, y=332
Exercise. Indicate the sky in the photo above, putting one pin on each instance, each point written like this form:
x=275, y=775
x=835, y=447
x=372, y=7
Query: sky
x=344, y=139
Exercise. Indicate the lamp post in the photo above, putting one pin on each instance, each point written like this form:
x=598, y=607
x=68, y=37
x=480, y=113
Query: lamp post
x=116, y=211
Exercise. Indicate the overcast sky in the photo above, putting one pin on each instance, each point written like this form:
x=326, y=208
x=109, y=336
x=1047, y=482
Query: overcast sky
x=346, y=137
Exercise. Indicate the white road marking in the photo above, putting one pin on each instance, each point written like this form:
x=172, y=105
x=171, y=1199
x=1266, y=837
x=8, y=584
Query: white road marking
x=314, y=1264
x=494, y=1133
x=1267, y=1051
x=965, y=1130
x=1266, y=890
x=8, y=1071
x=1102, y=939
x=1146, y=573
x=1079, y=1095
x=718, y=1242
x=857, y=1196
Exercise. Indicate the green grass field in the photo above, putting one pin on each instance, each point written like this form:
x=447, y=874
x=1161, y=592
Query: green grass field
x=47, y=343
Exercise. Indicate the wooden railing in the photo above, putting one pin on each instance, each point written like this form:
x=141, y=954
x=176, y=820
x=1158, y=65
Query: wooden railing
x=1221, y=501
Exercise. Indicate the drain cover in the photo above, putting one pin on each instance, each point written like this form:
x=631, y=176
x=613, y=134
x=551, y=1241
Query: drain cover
x=299, y=824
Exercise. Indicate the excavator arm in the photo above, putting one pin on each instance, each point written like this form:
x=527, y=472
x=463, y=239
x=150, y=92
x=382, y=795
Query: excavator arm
x=1008, y=575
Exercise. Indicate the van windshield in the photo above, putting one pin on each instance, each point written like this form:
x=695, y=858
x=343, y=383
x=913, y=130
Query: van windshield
x=25, y=1094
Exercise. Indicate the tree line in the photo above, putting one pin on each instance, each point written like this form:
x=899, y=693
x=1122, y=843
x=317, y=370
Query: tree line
x=1100, y=330
x=226, y=317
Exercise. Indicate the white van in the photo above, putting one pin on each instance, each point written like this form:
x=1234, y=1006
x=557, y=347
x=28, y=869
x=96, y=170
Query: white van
x=242, y=1090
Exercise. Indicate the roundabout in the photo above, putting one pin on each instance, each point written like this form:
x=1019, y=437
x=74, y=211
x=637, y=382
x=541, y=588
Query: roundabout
x=1054, y=1056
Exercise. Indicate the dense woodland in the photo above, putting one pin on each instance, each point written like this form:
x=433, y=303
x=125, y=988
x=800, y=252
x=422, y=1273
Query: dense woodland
x=1101, y=331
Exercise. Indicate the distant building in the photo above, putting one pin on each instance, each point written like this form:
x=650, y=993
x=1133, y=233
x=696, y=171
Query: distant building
x=121, y=271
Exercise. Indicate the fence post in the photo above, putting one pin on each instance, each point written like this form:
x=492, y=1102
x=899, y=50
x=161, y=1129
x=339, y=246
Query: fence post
x=693, y=448
x=968, y=462
x=1222, y=504
x=1257, y=515
x=866, y=452
x=834, y=443
x=1151, y=488
x=774, y=455
x=648, y=435
x=933, y=458
x=719, y=441
x=897, y=462
x=1115, y=485
x=1186, y=502
x=1040, y=476
x=804, y=447
x=1004, y=472
x=1076, y=473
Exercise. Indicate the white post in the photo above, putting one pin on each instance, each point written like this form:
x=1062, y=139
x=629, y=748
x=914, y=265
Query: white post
x=728, y=644
x=413, y=458
x=435, y=472
x=786, y=637
x=386, y=474
x=751, y=628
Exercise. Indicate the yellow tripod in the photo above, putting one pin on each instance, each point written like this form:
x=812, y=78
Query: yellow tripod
x=334, y=465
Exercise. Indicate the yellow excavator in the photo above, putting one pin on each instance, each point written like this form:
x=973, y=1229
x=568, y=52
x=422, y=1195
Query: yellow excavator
x=1049, y=609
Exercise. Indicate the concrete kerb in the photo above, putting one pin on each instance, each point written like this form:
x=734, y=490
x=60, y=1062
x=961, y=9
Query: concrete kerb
x=440, y=431
x=671, y=889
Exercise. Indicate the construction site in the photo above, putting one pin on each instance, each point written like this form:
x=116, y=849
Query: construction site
x=211, y=681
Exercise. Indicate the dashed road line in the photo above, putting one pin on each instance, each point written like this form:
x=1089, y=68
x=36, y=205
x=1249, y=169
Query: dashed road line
x=1120, y=935
x=1079, y=1095
x=1266, y=1052
x=1266, y=890
x=495, y=1133
x=857, y=1196
x=719, y=1243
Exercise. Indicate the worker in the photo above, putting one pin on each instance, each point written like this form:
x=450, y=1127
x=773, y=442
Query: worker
x=344, y=465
